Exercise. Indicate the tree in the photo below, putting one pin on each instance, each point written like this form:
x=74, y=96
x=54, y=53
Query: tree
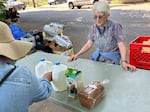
x=3, y=13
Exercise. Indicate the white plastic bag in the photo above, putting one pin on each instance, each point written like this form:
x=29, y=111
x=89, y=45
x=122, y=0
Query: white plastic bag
x=53, y=29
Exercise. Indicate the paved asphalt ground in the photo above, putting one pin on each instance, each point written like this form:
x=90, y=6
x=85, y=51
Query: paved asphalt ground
x=135, y=19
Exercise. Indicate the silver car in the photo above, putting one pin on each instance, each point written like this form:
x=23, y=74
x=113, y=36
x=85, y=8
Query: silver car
x=17, y=4
x=79, y=3
x=51, y=2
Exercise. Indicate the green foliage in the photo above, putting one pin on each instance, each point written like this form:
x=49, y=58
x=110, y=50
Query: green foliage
x=3, y=0
x=37, y=2
x=116, y=1
x=43, y=2
x=2, y=12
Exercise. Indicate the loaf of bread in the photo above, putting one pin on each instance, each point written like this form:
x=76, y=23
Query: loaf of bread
x=146, y=49
x=92, y=94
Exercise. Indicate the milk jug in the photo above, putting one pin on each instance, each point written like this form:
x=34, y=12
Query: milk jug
x=59, y=78
x=43, y=67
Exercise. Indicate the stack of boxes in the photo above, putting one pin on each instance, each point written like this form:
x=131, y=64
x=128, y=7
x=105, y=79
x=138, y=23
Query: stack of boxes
x=54, y=38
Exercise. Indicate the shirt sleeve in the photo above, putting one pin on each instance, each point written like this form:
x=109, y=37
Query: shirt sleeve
x=118, y=33
x=40, y=87
x=43, y=91
x=92, y=33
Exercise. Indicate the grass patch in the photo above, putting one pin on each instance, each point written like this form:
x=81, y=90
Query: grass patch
x=38, y=3
x=44, y=2
x=115, y=1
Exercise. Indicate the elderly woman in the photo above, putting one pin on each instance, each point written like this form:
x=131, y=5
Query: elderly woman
x=108, y=37
x=19, y=88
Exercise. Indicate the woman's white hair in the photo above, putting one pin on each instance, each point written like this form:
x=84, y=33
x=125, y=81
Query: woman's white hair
x=101, y=6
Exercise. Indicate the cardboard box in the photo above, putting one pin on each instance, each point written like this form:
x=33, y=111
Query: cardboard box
x=68, y=52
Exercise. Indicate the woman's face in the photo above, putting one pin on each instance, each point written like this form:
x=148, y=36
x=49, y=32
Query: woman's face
x=100, y=18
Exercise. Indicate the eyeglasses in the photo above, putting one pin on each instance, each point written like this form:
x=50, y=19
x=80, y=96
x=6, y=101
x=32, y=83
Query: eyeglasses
x=98, y=17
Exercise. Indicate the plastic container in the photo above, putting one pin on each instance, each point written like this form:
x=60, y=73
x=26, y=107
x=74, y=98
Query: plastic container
x=43, y=67
x=59, y=78
x=62, y=42
x=140, y=52
x=74, y=77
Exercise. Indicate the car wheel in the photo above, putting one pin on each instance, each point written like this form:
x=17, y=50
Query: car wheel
x=71, y=6
x=50, y=3
x=24, y=8
x=79, y=7
x=95, y=1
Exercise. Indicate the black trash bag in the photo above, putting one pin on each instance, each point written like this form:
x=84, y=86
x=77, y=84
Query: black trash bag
x=40, y=44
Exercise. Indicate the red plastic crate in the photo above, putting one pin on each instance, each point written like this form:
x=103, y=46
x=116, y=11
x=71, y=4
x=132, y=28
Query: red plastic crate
x=140, y=53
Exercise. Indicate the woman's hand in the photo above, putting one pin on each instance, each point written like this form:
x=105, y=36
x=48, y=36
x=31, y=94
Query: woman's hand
x=128, y=66
x=72, y=58
x=48, y=76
